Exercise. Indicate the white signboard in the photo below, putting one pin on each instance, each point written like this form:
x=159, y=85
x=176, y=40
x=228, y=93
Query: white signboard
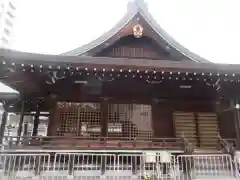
x=112, y=127
x=150, y=157
x=165, y=157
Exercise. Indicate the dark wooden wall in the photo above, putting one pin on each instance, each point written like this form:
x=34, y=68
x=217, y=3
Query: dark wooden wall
x=226, y=124
x=162, y=120
x=226, y=120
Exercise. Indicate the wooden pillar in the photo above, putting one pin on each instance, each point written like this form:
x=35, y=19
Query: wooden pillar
x=197, y=129
x=104, y=128
x=53, y=121
x=3, y=124
x=20, y=124
x=154, y=104
x=54, y=118
x=25, y=128
x=36, y=123
x=104, y=117
x=236, y=118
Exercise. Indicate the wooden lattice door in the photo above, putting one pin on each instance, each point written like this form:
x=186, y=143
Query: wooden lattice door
x=130, y=120
x=79, y=119
x=67, y=120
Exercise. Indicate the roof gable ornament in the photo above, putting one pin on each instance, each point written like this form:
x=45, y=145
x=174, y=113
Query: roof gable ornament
x=137, y=31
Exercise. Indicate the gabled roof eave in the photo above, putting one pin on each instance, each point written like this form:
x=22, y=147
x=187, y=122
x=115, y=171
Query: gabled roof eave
x=133, y=9
x=121, y=24
x=169, y=39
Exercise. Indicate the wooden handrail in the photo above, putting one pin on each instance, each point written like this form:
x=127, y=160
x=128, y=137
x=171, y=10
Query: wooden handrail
x=120, y=142
x=188, y=149
x=228, y=148
x=95, y=138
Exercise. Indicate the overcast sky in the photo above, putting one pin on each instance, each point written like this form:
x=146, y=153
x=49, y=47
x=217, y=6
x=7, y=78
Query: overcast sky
x=209, y=28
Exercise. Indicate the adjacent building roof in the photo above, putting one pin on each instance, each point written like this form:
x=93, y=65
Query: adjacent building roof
x=8, y=96
x=135, y=8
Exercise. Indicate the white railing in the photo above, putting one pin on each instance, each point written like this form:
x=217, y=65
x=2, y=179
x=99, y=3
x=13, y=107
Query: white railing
x=237, y=167
x=98, y=165
x=206, y=166
x=23, y=165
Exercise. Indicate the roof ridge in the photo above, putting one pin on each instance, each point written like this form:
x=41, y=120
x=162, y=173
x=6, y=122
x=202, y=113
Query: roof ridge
x=137, y=5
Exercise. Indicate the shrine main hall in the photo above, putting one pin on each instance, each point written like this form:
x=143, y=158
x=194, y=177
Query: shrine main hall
x=134, y=87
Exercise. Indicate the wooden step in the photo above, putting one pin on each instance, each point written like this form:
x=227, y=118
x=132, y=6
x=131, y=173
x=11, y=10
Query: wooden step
x=208, y=129
x=207, y=150
x=185, y=124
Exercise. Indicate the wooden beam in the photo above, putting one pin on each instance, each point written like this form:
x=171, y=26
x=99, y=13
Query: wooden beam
x=109, y=63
